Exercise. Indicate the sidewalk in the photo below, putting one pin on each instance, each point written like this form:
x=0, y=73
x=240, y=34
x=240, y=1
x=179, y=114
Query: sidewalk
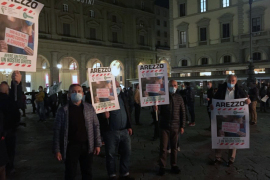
x=35, y=161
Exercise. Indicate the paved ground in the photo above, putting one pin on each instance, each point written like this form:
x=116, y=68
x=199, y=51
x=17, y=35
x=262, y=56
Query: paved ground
x=35, y=161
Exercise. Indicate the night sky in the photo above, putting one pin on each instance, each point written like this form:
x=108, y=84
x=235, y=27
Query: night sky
x=163, y=3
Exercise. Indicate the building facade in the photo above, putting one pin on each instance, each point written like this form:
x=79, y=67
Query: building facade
x=210, y=38
x=75, y=35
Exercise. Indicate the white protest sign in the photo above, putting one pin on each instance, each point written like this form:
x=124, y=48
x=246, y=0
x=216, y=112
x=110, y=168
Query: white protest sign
x=153, y=80
x=230, y=124
x=103, y=89
x=16, y=38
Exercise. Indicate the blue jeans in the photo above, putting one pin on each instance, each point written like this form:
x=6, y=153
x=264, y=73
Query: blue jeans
x=41, y=110
x=117, y=142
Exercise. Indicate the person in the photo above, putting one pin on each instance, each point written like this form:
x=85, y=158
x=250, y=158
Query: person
x=53, y=103
x=76, y=135
x=60, y=99
x=215, y=90
x=190, y=99
x=210, y=94
x=10, y=115
x=228, y=91
x=130, y=97
x=263, y=92
x=117, y=137
x=46, y=102
x=33, y=99
x=137, y=105
x=40, y=104
x=23, y=104
x=88, y=98
x=172, y=121
x=253, y=93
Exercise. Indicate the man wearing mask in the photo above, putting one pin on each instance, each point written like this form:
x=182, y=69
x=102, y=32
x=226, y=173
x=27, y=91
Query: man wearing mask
x=210, y=94
x=253, y=94
x=40, y=104
x=117, y=137
x=76, y=135
x=172, y=121
x=227, y=91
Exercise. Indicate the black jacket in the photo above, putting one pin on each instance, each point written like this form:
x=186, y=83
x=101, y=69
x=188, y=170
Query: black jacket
x=221, y=92
x=190, y=95
x=210, y=95
x=253, y=94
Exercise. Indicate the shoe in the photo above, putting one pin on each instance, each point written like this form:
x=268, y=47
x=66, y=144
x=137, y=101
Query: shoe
x=217, y=162
x=178, y=149
x=126, y=178
x=230, y=163
x=161, y=171
x=192, y=124
x=169, y=151
x=175, y=170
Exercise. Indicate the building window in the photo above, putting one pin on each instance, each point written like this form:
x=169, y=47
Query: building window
x=65, y=7
x=225, y=3
x=182, y=37
x=225, y=30
x=165, y=34
x=141, y=24
x=73, y=66
x=74, y=79
x=256, y=24
x=227, y=59
x=97, y=65
x=257, y=56
x=204, y=61
x=230, y=73
x=142, y=4
x=142, y=40
x=114, y=1
x=92, y=33
x=158, y=11
x=158, y=33
x=165, y=44
x=184, y=62
x=114, y=18
x=165, y=23
x=158, y=22
x=158, y=43
x=114, y=37
x=182, y=10
x=165, y=13
x=203, y=36
x=259, y=71
x=205, y=74
x=66, y=29
x=92, y=13
x=203, y=5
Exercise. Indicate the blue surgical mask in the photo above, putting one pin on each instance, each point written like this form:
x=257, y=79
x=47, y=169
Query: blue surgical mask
x=118, y=90
x=76, y=97
x=172, y=89
x=229, y=85
x=29, y=23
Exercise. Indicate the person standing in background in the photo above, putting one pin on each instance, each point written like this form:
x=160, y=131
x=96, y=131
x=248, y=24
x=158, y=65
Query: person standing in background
x=137, y=105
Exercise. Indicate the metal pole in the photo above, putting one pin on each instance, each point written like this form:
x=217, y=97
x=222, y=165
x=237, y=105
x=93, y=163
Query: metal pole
x=250, y=30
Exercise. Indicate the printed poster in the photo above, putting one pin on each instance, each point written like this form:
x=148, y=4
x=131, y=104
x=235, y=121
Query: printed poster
x=103, y=89
x=153, y=80
x=230, y=124
x=19, y=34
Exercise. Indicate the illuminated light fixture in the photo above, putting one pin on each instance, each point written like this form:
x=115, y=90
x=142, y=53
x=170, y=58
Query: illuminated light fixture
x=43, y=67
x=59, y=66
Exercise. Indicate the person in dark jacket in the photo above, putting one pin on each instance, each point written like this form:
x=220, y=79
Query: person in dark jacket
x=253, y=93
x=227, y=91
x=117, y=131
x=88, y=98
x=210, y=94
x=33, y=99
x=76, y=135
x=263, y=92
x=190, y=99
x=172, y=121
x=53, y=103
x=10, y=103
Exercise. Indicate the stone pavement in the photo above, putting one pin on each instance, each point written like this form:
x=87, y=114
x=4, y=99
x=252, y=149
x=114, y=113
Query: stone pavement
x=35, y=161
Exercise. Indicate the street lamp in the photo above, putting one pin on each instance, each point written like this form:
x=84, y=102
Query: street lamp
x=251, y=75
x=59, y=66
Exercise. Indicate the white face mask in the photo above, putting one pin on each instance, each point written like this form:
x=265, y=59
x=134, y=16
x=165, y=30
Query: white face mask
x=265, y=87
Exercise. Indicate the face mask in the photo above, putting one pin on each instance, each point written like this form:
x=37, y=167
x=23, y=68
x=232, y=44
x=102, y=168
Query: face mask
x=29, y=23
x=265, y=87
x=229, y=85
x=76, y=97
x=118, y=90
x=172, y=89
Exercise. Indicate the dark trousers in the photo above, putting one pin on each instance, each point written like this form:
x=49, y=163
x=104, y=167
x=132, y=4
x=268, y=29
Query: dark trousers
x=53, y=108
x=191, y=111
x=2, y=173
x=34, y=107
x=209, y=113
x=10, y=140
x=75, y=153
x=263, y=106
x=117, y=142
x=137, y=113
x=166, y=136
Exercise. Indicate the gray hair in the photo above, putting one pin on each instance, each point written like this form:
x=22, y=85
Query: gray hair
x=229, y=76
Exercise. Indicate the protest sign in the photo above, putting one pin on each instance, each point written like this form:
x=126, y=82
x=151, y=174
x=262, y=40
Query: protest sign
x=103, y=89
x=264, y=99
x=230, y=124
x=19, y=34
x=153, y=81
x=55, y=88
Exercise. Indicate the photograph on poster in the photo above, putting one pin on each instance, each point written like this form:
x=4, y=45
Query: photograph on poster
x=231, y=126
x=153, y=86
x=102, y=91
x=16, y=35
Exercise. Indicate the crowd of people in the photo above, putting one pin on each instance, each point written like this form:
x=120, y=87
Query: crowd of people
x=79, y=132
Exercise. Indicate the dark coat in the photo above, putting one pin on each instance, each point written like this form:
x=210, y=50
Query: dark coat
x=221, y=93
x=210, y=95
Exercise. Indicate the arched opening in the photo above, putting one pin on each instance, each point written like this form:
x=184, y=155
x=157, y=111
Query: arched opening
x=168, y=67
x=117, y=68
x=93, y=63
x=69, y=72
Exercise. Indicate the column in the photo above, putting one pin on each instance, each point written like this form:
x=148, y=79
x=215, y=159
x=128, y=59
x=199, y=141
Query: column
x=83, y=69
x=54, y=71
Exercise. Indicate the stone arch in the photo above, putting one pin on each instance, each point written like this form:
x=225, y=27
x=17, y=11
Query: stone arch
x=92, y=61
x=40, y=62
x=184, y=58
x=204, y=56
x=233, y=58
x=165, y=61
x=264, y=55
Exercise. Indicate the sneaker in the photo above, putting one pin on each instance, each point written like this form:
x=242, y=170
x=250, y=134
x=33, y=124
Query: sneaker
x=192, y=124
x=169, y=151
x=175, y=170
x=178, y=149
x=161, y=171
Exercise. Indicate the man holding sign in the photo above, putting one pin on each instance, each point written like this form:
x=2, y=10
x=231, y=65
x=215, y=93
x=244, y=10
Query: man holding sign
x=228, y=91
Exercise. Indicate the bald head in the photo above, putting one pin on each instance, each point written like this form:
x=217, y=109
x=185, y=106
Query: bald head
x=4, y=88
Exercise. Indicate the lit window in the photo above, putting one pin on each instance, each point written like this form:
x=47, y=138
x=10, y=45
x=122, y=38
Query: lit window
x=226, y=3
x=205, y=74
x=73, y=66
x=47, y=80
x=65, y=7
x=182, y=37
x=256, y=24
x=97, y=65
x=74, y=79
x=92, y=13
x=259, y=71
x=203, y=5
x=230, y=73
